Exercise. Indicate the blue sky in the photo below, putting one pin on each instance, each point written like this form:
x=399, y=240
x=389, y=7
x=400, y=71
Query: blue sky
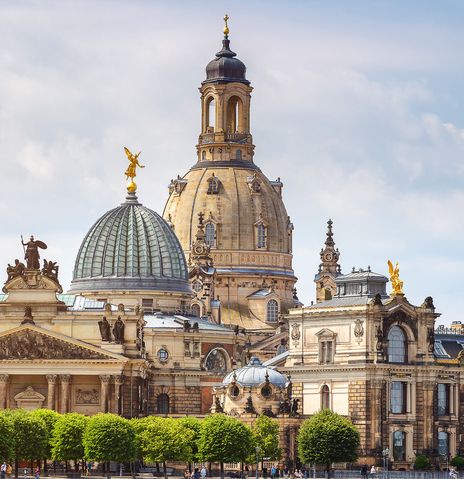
x=357, y=106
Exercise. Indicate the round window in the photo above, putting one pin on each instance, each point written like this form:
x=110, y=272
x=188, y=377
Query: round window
x=163, y=355
x=266, y=392
x=234, y=392
x=197, y=286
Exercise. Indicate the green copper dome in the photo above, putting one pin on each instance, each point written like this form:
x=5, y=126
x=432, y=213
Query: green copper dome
x=130, y=248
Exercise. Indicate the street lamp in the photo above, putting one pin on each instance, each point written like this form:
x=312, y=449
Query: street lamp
x=386, y=455
x=257, y=448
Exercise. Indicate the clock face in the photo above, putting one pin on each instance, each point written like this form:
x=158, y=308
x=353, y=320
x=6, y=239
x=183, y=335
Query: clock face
x=197, y=286
x=328, y=257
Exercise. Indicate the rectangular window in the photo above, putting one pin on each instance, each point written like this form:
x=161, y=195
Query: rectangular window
x=147, y=304
x=398, y=397
x=326, y=352
x=443, y=399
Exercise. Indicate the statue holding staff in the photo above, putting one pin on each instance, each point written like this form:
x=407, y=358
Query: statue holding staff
x=31, y=253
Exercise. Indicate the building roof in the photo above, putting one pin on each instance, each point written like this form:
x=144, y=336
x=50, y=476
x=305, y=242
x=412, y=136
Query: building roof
x=130, y=248
x=177, y=321
x=254, y=374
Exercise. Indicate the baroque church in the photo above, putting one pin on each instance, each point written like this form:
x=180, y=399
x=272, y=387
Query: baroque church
x=195, y=312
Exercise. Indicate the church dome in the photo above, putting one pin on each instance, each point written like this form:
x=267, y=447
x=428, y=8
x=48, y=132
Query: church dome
x=225, y=67
x=254, y=374
x=130, y=248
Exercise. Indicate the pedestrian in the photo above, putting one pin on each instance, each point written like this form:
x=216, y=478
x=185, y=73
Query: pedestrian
x=37, y=472
x=3, y=470
x=203, y=472
x=196, y=474
x=452, y=473
x=89, y=468
x=373, y=471
x=364, y=470
x=9, y=470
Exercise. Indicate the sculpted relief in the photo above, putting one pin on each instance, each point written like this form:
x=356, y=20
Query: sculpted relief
x=33, y=345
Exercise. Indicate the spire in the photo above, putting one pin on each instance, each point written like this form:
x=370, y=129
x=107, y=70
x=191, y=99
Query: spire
x=226, y=27
x=329, y=255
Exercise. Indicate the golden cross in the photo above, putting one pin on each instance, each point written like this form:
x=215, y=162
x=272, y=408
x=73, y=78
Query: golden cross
x=226, y=27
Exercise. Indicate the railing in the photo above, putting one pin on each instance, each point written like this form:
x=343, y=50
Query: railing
x=453, y=331
x=236, y=136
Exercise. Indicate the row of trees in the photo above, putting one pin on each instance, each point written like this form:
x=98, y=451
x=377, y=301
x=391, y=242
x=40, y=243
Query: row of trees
x=45, y=434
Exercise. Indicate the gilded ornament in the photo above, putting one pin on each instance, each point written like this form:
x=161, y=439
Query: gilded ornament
x=226, y=26
x=396, y=282
x=131, y=171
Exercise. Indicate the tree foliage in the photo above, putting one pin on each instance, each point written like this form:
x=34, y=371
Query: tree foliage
x=421, y=462
x=164, y=439
x=6, y=437
x=266, y=436
x=326, y=438
x=30, y=435
x=458, y=462
x=109, y=437
x=224, y=439
x=67, y=438
x=49, y=417
x=193, y=424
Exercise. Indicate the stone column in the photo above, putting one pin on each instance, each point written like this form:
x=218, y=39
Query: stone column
x=118, y=380
x=429, y=387
x=4, y=378
x=51, y=395
x=65, y=387
x=105, y=389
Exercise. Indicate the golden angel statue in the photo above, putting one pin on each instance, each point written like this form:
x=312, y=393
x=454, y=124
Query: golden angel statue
x=396, y=282
x=133, y=163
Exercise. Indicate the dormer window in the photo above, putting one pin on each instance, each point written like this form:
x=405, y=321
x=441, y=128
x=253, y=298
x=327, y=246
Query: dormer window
x=213, y=185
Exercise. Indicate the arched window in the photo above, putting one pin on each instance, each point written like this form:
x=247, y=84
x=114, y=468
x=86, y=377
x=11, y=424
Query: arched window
x=210, y=113
x=266, y=391
x=213, y=186
x=216, y=361
x=399, y=446
x=196, y=310
x=233, y=112
x=272, y=311
x=261, y=236
x=443, y=443
x=325, y=397
x=396, y=345
x=210, y=234
x=162, y=403
x=203, y=155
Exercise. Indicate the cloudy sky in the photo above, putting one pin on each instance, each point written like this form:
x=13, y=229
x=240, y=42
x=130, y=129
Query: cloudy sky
x=358, y=107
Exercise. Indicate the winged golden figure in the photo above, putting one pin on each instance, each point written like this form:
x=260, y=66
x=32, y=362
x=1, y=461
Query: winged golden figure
x=396, y=282
x=133, y=163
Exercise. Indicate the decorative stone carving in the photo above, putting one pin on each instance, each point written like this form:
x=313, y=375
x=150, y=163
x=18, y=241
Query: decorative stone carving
x=50, y=269
x=118, y=331
x=249, y=408
x=379, y=337
x=377, y=300
x=28, y=318
x=29, y=399
x=296, y=333
x=29, y=344
x=431, y=340
x=16, y=270
x=87, y=396
x=358, y=330
x=105, y=329
x=428, y=303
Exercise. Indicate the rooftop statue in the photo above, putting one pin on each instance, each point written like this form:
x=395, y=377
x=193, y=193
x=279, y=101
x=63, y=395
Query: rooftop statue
x=396, y=282
x=131, y=171
x=16, y=270
x=31, y=252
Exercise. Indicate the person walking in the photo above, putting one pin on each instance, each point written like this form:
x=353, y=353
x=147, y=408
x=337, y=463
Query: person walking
x=373, y=471
x=37, y=472
x=203, y=472
x=9, y=470
x=364, y=472
x=3, y=470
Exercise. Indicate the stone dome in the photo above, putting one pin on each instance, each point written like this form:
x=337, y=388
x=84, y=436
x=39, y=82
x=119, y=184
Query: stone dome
x=254, y=374
x=225, y=67
x=130, y=248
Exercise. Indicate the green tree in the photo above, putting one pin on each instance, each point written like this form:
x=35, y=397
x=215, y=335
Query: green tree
x=326, y=438
x=266, y=436
x=194, y=425
x=30, y=436
x=49, y=417
x=67, y=438
x=164, y=439
x=109, y=437
x=458, y=462
x=421, y=462
x=224, y=439
x=7, y=437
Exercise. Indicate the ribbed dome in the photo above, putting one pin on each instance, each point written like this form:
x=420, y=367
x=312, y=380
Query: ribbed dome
x=130, y=248
x=254, y=374
x=226, y=68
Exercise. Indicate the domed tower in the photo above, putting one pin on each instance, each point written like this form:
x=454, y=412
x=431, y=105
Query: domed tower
x=132, y=256
x=245, y=221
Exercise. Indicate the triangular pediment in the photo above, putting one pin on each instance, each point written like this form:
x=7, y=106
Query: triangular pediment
x=326, y=333
x=30, y=342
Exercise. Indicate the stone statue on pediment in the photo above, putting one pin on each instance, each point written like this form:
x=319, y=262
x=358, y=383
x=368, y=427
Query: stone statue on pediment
x=31, y=253
x=15, y=270
x=105, y=329
x=118, y=331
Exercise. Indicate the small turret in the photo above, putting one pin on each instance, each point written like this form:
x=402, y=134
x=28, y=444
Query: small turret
x=329, y=269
